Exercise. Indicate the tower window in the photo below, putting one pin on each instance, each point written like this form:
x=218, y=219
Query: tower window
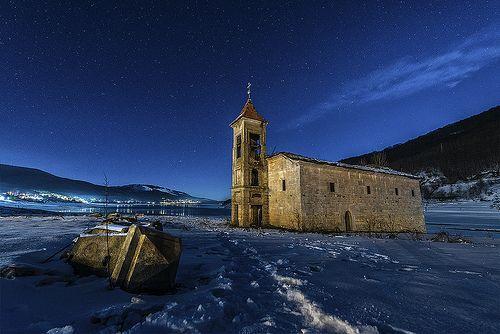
x=396, y=191
x=255, y=178
x=412, y=193
x=332, y=187
x=283, y=185
x=255, y=146
x=238, y=146
x=368, y=190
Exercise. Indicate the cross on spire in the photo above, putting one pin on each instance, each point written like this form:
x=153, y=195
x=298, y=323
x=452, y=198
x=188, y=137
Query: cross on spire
x=248, y=90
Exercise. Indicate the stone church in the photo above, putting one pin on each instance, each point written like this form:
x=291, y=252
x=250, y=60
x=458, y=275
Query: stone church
x=294, y=192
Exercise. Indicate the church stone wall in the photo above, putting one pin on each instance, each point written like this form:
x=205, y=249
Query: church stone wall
x=381, y=210
x=284, y=206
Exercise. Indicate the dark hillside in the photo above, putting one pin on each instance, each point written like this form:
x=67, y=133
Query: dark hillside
x=458, y=150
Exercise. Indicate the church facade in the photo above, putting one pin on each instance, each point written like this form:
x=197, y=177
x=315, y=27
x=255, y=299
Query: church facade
x=290, y=191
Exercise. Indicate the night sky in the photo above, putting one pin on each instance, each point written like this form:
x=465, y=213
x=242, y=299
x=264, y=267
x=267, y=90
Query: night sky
x=145, y=91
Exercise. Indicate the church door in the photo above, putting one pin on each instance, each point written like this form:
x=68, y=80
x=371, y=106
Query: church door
x=348, y=221
x=257, y=215
x=236, y=213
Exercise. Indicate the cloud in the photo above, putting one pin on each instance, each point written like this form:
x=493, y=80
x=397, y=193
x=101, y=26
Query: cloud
x=408, y=76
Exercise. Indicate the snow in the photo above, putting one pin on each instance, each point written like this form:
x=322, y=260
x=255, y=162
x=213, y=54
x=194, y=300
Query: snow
x=379, y=169
x=264, y=281
x=63, y=330
x=113, y=227
x=169, y=191
x=143, y=187
x=484, y=186
x=465, y=189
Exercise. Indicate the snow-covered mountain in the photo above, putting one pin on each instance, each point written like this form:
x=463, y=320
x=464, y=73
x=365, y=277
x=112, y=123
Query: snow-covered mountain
x=29, y=184
x=483, y=186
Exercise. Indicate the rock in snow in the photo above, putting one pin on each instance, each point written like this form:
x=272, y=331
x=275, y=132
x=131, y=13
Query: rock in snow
x=141, y=260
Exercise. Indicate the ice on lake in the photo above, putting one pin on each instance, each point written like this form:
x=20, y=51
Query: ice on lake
x=466, y=218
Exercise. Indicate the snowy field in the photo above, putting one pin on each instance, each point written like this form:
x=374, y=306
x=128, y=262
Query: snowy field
x=248, y=281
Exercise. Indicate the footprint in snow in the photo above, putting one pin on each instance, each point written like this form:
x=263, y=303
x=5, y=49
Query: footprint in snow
x=315, y=268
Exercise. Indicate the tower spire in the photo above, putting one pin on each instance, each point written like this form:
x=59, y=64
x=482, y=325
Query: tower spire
x=248, y=90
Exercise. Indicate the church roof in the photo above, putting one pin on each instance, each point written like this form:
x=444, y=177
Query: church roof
x=384, y=170
x=249, y=111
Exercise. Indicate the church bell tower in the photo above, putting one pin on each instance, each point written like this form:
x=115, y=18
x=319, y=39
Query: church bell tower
x=249, y=188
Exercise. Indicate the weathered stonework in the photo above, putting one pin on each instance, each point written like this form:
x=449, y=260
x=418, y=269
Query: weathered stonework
x=310, y=203
x=285, y=207
x=304, y=194
x=249, y=198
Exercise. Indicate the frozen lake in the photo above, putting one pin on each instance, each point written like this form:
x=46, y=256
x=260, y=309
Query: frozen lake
x=463, y=218
x=188, y=210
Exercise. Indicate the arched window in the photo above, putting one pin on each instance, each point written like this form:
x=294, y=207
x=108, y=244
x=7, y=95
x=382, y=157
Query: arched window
x=255, y=177
x=238, y=146
x=255, y=146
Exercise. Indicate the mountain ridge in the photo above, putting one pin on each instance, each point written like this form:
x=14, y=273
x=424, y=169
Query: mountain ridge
x=459, y=150
x=27, y=179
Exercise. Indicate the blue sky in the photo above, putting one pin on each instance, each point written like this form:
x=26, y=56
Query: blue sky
x=407, y=76
x=145, y=92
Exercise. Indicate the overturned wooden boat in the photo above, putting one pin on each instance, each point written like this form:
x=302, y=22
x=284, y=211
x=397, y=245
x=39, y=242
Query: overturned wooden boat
x=141, y=258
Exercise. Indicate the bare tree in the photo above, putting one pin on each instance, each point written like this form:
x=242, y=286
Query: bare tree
x=379, y=159
x=107, y=259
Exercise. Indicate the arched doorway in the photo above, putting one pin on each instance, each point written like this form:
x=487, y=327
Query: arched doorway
x=256, y=215
x=348, y=221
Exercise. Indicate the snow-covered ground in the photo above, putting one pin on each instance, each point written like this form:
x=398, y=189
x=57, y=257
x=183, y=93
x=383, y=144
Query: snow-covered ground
x=249, y=281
